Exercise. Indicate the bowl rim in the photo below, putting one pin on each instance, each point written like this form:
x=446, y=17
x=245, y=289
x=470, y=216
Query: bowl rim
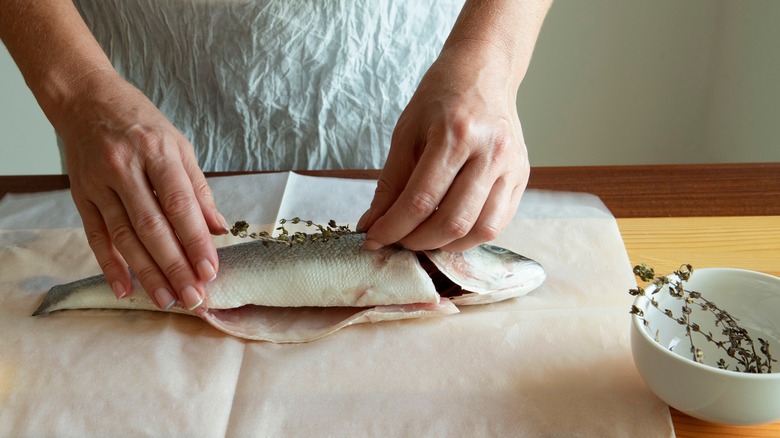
x=640, y=327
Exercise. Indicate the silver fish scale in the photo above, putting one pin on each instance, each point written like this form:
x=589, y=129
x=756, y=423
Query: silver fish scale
x=335, y=273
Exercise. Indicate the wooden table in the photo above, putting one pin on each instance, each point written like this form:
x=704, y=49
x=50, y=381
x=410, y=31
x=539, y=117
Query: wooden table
x=706, y=215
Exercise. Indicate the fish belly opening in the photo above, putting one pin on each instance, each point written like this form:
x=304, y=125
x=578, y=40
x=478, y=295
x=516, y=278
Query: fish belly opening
x=444, y=286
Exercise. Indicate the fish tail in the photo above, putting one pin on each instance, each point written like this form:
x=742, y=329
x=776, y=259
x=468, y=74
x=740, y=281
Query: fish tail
x=59, y=293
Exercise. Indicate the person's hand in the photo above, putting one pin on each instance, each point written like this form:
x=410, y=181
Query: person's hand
x=142, y=198
x=457, y=165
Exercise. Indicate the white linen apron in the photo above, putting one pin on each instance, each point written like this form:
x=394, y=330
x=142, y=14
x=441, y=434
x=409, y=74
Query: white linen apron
x=276, y=84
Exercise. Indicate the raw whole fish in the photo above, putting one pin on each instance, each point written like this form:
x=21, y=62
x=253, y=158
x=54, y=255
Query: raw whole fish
x=302, y=292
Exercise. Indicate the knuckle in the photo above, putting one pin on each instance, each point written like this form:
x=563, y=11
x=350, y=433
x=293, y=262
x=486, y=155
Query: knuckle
x=387, y=190
x=460, y=138
x=203, y=191
x=196, y=243
x=422, y=204
x=176, y=203
x=382, y=187
x=518, y=189
x=110, y=265
x=148, y=275
x=96, y=239
x=146, y=136
x=149, y=225
x=116, y=160
x=156, y=144
x=462, y=128
x=460, y=150
x=505, y=144
x=502, y=144
x=485, y=232
x=178, y=268
x=456, y=227
x=122, y=235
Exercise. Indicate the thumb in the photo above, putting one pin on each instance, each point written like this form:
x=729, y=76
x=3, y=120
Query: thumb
x=392, y=181
x=388, y=188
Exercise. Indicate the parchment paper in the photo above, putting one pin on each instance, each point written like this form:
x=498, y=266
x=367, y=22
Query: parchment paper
x=556, y=363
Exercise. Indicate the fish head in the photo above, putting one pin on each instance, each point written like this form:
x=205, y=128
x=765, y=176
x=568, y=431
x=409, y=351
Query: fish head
x=491, y=273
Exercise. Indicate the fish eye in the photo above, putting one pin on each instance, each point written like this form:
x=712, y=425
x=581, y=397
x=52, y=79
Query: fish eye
x=496, y=249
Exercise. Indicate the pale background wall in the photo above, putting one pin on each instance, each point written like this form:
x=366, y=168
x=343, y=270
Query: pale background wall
x=612, y=82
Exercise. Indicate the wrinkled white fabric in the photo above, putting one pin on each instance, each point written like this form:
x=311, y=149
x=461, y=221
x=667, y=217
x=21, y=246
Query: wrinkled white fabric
x=276, y=85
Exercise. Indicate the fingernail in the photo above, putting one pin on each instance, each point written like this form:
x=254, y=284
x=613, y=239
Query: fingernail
x=363, y=219
x=206, y=271
x=191, y=297
x=119, y=290
x=371, y=244
x=223, y=222
x=164, y=299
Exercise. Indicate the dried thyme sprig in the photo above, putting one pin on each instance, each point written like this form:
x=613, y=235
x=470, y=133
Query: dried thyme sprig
x=324, y=232
x=739, y=346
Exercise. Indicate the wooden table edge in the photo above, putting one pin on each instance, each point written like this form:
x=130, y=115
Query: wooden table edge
x=733, y=189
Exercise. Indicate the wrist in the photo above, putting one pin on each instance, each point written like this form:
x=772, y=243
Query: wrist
x=482, y=55
x=54, y=50
x=476, y=65
x=63, y=95
x=498, y=34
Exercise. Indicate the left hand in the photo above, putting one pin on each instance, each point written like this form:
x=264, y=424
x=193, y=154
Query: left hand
x=457, y=165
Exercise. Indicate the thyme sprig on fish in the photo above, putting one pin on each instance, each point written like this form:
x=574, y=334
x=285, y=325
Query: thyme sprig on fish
x=736, y=342
x=324, y=232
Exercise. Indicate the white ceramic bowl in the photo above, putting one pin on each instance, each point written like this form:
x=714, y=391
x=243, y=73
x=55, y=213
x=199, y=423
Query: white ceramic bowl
x=703, y=390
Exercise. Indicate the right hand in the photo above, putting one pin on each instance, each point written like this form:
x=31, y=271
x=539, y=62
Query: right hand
x=141, y=195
